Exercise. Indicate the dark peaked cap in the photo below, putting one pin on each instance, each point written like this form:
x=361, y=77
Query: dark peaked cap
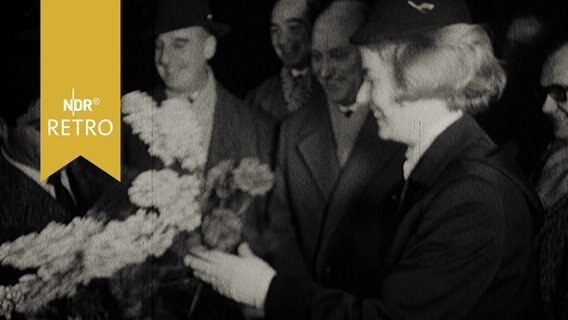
x=398, y=18
x=177, y=14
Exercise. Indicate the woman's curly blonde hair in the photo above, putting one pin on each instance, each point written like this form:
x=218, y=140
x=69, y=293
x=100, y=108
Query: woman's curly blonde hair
x=454, y=63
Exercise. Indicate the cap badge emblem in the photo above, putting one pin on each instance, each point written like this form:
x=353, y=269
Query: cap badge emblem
x=423, y=7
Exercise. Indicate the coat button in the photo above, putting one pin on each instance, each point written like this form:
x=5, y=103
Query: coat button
x=327, y=272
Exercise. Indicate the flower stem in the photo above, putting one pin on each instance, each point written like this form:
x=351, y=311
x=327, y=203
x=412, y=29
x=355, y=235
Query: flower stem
x=195, y=299
x=245, y=205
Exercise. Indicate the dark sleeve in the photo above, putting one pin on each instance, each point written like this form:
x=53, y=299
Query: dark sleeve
x=446, y=266
x=101, y=192
x=256, y=216
x=267, y=136
x=283, y=251
x=553, y=265
x=263, y=99
x=252, y=100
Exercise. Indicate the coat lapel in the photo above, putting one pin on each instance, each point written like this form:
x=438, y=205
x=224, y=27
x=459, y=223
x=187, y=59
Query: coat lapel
x=29, y=208
x=318, y=151
x=223, y=143
x=445, y=149
x=369, y=158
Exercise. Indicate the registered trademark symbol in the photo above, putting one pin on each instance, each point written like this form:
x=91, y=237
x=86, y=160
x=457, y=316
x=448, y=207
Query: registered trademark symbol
x=96, y=101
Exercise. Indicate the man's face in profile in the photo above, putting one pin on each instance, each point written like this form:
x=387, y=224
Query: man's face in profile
x=555, y=73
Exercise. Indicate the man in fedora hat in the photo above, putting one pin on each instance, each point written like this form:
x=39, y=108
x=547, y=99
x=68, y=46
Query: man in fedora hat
x=185, y=40
x=460, y=243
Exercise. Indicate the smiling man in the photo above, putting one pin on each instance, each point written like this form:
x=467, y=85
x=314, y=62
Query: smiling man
x=185, y=40
x=181, y=58
x=552, y=183
x=334, y=172
x=290, y=32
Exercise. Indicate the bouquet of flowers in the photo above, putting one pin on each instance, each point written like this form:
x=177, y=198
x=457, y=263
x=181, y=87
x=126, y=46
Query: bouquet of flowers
x=174, y=201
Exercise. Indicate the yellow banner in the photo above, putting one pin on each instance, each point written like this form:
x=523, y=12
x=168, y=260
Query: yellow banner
x=80, y=84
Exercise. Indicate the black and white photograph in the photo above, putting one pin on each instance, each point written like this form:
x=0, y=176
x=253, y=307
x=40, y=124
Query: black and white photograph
x=299, y=159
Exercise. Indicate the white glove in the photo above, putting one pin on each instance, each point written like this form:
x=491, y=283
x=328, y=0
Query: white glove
x=244, y=278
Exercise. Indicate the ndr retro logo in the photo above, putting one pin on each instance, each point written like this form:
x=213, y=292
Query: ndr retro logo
x=83, y=126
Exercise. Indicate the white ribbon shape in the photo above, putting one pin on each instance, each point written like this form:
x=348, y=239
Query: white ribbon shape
x=423, y=7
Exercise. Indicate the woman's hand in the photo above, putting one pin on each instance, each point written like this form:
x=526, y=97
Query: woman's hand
x=244, y=278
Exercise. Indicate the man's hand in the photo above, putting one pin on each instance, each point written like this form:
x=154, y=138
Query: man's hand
x=244, y=278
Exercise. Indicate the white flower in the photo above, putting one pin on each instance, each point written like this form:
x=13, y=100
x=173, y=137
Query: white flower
x=191, y=185
x=160, y=148
x=178, y=134
x=154, y=188
x=51, y=244
x=253, y=177
x=142, y=125
x=195, y=161
x=169, y=202
x=179, y=212
x=170, y=131
x=120, y=244
x=136, y=101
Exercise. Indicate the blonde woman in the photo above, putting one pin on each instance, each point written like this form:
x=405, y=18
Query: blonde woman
x=462, y=247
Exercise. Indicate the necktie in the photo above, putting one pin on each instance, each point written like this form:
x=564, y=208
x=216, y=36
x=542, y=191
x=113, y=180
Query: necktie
x=62, y=195
x=349, y=110
x=299, y=73
x=296, y=89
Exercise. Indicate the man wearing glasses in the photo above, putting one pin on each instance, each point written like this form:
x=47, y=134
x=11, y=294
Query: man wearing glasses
x=552, y=186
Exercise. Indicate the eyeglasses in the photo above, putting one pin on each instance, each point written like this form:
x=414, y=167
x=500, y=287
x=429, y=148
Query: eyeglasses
x=557, y=92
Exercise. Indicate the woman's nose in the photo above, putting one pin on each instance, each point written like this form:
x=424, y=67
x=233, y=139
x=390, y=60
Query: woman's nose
x=549, y=106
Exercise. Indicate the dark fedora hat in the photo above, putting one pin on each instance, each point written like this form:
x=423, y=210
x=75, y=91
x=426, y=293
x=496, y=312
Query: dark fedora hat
x=177, y=14
x=400, y=18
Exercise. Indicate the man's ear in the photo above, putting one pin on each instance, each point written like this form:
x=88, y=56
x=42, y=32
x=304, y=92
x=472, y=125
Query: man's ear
x=209, y=47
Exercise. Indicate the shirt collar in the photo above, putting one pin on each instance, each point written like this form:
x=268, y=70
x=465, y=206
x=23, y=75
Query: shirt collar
x=299, y=72
x=205, y=91
x=32, y=173
x=363, y=98
x=415, y=152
